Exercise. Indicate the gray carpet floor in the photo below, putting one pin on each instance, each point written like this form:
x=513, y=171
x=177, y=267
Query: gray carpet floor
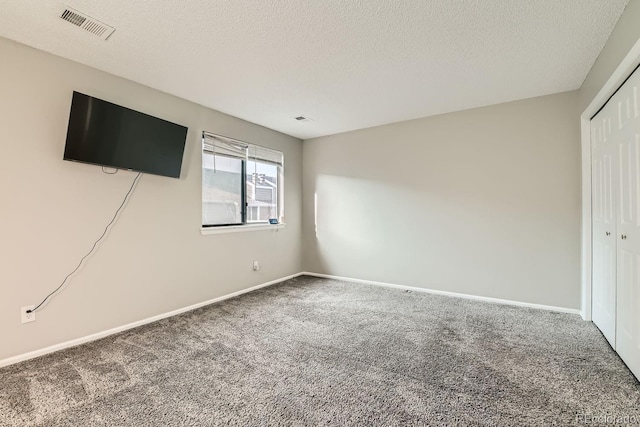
x=313, y=351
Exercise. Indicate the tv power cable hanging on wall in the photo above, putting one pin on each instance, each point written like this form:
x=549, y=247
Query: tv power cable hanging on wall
x=95, y=244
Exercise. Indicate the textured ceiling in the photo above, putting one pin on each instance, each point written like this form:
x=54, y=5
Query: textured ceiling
x=347, y=64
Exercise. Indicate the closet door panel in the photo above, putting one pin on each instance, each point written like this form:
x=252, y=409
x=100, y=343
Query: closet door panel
x=604, y=158
x=627, y=137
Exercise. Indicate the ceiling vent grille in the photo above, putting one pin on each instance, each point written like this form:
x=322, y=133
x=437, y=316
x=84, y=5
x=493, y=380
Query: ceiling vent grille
x=87, y=23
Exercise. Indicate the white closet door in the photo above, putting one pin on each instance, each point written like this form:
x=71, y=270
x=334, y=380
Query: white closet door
x=627, y=136
x=604, y=155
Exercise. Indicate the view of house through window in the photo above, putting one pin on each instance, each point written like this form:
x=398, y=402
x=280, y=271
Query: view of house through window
x=241, y=183
x=262, y=191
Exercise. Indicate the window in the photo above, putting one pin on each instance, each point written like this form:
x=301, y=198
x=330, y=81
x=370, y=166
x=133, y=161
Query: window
x=241, y=183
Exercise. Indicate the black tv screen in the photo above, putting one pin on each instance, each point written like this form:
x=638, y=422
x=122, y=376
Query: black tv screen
x=107, y=134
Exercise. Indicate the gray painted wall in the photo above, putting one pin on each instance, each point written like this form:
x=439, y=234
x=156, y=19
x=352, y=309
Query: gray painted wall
x=154, y=260
x=483, y=202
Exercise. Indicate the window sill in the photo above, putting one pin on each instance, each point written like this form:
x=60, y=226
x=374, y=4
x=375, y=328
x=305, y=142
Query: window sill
x=205, y=231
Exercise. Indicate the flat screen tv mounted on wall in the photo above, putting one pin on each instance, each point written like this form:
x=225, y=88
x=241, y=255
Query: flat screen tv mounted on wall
x=106, y=134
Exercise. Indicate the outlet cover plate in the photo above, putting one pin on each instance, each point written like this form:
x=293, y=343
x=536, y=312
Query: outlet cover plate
x=27, y=317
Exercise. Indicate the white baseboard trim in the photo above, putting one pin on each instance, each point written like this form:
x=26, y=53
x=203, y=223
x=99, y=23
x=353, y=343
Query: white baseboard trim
x=103, y=334
x=449, y=294
x=98, y=335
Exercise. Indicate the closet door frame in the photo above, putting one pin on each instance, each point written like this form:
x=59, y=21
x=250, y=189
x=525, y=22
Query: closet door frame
x=624, y=70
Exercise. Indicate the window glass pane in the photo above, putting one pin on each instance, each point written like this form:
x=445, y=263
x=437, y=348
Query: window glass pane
x=221, y=190
x=262, y=191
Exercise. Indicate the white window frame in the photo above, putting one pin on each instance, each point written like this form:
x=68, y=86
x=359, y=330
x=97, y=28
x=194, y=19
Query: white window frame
x=219, y=145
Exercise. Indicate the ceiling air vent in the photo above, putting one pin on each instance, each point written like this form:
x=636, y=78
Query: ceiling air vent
x=87, y=23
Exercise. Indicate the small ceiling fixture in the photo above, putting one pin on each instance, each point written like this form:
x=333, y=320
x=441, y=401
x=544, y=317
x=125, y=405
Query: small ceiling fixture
x=87, y=23
x=302, y=119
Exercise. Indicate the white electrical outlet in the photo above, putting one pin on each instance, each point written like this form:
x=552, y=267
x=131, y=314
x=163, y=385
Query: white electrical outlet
x=256, y=266
x=27, y=317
